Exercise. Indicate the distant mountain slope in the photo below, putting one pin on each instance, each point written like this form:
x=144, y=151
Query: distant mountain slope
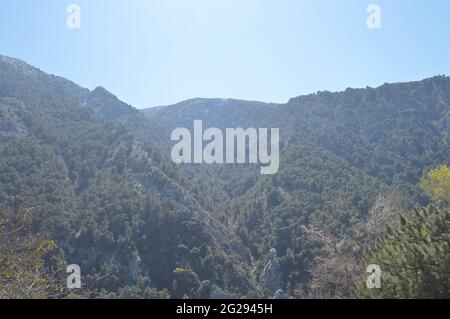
x=98, y=176
x=109, y=108
x=348, y=146
x=404, y=126
x=393, y=132
x=81, y=160
x=219, y=113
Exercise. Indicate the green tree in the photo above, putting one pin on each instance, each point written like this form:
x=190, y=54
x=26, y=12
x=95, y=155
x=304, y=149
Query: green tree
x=414, y=258
x=437, y=184
x=23, y=273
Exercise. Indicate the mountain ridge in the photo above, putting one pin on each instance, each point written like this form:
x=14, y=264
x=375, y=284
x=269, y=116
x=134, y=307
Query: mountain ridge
x=86, y=148
x=98, y=175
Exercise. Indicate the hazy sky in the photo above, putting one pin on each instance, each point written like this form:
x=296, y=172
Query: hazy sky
x=156, y=52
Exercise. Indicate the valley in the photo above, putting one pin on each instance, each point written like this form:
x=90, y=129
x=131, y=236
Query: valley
x=98, y=177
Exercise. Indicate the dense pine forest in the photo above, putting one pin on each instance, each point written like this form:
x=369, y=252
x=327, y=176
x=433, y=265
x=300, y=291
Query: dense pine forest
x=87, y=179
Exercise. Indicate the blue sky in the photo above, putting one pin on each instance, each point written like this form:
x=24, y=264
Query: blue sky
x=157, y=52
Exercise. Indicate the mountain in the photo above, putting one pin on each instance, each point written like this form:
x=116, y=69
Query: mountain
x=97, y=176
x=391, y=133
x=350, y=147
x=82, y=160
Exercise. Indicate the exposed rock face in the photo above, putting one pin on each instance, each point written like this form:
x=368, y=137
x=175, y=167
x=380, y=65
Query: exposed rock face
x=10, y=113
x=18, y=65
x=271, y=276
x=280, y=294
x=135, y=265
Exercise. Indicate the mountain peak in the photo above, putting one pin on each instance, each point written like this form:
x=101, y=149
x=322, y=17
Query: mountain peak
x=101, y=91
x=17, y=64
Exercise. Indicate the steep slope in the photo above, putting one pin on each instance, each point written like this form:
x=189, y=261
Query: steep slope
x=393, y=132
x=219, y=113
x=97, y=175
x=69, y=154
x=109, y=108
x=346, y=147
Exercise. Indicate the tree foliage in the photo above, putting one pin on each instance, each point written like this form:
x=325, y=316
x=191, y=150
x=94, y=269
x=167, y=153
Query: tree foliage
x=99, y=180
x=23, y=271
x=414, y=258
x=436, y=184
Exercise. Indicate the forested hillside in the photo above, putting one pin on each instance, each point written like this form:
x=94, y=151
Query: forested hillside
x=87, y=179
x=343, y=155
x=107, y=204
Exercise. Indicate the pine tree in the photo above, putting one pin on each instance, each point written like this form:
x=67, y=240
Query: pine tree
x=23, y=272
x=414, y=259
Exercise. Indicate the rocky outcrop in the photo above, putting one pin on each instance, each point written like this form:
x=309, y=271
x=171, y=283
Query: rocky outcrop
x=271, y=276
x=10, y=112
